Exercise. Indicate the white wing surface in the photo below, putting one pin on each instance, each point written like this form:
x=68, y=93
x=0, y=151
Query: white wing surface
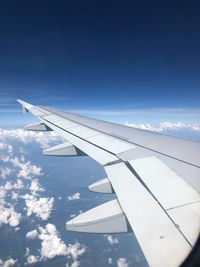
x=156, y=179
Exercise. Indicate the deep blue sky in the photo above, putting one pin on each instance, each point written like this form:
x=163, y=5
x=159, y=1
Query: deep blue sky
x=100, y=55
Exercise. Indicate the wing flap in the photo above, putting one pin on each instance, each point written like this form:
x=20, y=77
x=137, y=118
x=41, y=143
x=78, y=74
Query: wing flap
x=157, y=234
x=169, y=188
x=187, y=218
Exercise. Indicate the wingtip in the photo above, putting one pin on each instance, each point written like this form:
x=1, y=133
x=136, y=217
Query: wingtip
x=19, y=101
x=24, y=104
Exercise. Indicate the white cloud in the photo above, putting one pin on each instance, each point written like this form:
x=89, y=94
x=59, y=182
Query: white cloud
x=75, y=196
x=7, y=147
x=31, y=259
x=18, y=185
x=110, y=261
x=32, y=234
x=8, y=185
x=42, y=138
x=74, y=264
x=52, y=245
x=14, y=195
x=76, y=250
x=167, y=125
x=4, y=172
x=27, y=170
x=112, y=240
x=9, y=216
x=36, y=187
x=121, y=262
x=41, y=207
x=7, y=263
x=2, y=192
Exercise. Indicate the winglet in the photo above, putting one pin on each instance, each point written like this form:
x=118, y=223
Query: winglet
x=26, y=106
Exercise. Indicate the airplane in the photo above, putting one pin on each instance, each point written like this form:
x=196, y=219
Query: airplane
x=156, y=179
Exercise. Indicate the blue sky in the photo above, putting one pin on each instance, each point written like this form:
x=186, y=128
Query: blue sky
x=102, y=56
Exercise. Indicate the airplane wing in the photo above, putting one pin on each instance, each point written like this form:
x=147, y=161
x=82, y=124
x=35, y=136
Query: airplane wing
x=156, y=179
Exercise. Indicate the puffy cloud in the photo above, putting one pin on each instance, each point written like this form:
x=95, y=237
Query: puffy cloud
x=26, y=169
x=4, y=172
x=121, y=262
x=52, y=245
x=164, y=126
x=110, y=261
x=7, y=147
x=32, y=234
x=74, y=264
x=31, y=259
x=18, y=185
x=112, y=240
x=9, y=216
x=2, y=192
x=76, y=250
x=8, y=185
x=41, y=207
x=75, y=196
x=7, y=263
x=14, y=195
x=36, y=187
x=42, y=138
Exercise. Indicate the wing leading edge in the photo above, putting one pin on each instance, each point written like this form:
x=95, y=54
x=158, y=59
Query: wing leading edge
x=155, y=199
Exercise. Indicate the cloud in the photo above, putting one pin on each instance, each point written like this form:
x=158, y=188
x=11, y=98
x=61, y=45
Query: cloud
x=31, y=259
x=9, y=216
x=121, y=262
x=14, y=195
x=76, y=250
x=75, y=196
x=164, y=126
x=74, y=264
x=112, y=240
x=28, y=170
x=5, y=172
x=32, y=234
x=110, y=261
x=18, y=185
x=42, y=138
x=36, y=187
x=2, y=192
x=41, y=207
x=7, y=147
x=7, y=263
x=52, y=245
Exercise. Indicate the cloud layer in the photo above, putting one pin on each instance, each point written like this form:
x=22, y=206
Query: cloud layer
x=164, y=126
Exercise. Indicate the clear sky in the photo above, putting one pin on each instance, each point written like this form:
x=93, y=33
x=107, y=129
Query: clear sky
x=115, y=56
